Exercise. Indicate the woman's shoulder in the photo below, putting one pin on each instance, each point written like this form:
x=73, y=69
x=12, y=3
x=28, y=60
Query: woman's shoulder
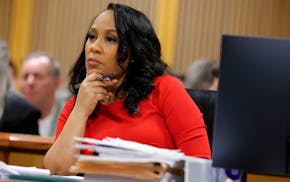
x=167, y=86
x=167, y=81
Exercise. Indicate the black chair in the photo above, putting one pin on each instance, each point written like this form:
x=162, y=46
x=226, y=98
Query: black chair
x=206, y=101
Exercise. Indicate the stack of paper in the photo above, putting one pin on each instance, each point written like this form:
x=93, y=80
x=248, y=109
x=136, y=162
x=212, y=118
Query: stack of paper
x=32, y=174
x=7, y=170
x=116, y=157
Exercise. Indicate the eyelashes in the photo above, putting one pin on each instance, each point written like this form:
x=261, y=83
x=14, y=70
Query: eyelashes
x=108, y=38
x=91, y=36
x=111, y=39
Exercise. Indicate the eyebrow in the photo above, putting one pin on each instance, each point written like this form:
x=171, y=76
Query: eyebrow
x=107, y=30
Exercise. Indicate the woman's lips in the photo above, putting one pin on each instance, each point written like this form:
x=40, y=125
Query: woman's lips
x=94, y=62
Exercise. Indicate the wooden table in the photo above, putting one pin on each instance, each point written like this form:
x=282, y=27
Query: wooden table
x=266, y=178
x=29, y=150
x=23, y=149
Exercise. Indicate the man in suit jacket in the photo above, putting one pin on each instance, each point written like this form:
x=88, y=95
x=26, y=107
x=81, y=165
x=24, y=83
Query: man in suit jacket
x=19, y=116
x=16, y=114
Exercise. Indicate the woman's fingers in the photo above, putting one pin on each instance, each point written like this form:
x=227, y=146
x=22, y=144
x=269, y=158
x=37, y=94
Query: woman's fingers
x=93, y=91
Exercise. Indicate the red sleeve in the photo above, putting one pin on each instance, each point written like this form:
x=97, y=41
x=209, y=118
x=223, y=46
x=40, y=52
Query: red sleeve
x=64, y=116
x=183, y=118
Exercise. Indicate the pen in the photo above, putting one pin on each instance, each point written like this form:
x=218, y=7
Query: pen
x=101, y=78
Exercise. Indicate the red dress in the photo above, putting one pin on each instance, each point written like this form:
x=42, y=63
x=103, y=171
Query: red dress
x=168, y=118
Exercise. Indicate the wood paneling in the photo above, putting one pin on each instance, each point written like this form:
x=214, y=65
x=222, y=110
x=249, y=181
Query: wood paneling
x=5, y=16
x=202, y=24
x=166, y=28
x=59, y=27
x=20, y=30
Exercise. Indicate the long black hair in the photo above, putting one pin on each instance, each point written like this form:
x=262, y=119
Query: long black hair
x=138, y=37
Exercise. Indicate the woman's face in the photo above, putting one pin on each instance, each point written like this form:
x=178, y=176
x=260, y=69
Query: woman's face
x=102, y=45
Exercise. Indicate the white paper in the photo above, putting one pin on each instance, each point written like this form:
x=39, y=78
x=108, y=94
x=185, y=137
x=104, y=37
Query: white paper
x=116, y=149
x=30, y=170
x=6, y=170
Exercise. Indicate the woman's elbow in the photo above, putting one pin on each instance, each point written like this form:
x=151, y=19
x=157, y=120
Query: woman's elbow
x=56, y=166
x=49, y=163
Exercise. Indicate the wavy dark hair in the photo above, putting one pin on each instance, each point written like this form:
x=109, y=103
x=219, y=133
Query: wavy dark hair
x=138, y=37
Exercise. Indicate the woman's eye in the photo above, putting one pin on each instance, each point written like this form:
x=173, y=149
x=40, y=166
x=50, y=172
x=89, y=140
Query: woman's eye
x=91, y=36
x=111, y=39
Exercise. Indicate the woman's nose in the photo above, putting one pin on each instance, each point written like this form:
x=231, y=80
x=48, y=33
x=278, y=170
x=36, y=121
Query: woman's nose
x=97, y=46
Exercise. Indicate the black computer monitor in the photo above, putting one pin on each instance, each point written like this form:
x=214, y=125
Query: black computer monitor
x=252, y=125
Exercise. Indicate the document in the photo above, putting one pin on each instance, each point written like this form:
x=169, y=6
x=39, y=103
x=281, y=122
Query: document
x=6, y=170
x=117, y=157
x=32, y=174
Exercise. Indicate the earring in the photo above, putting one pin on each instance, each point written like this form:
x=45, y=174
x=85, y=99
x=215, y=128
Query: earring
x=132, y=61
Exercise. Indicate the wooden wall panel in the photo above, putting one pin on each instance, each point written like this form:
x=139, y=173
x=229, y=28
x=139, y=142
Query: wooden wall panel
x=59, y=27
x=202, y=24
x=285, y=18
x=5, y=16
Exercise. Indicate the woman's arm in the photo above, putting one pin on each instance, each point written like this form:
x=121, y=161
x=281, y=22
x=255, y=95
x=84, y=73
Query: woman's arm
x=61, y=155
x=184, y=119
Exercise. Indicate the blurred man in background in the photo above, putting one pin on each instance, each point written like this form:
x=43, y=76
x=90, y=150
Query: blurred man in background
x=12, y=71
x=202, y=75
x=40, y=80
x=16, y=114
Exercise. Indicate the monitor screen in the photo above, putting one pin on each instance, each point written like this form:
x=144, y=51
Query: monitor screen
x=251, y=126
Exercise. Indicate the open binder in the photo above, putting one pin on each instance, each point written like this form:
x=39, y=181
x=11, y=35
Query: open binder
x=116, y=157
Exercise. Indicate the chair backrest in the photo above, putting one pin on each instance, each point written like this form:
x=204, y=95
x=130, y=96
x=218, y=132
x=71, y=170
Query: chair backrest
x=206, y=102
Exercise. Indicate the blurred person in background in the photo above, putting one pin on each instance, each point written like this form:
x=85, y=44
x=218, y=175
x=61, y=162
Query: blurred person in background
x=12, y=71
x=16, y=114
x=40, y=80
x=176, y=74
x=202, y=75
